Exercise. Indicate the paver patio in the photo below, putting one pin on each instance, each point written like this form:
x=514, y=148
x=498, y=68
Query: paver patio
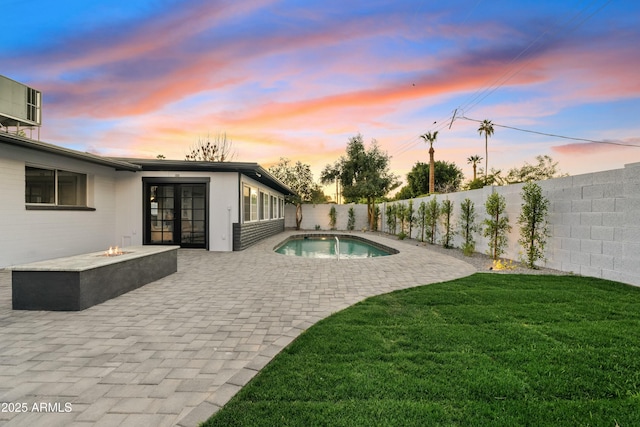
x=176, y=350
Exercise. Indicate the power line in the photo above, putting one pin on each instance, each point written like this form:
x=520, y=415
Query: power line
x=554, y=135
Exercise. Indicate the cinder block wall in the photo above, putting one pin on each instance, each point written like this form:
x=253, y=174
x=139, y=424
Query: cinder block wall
x=313, y=215
x=594, y=221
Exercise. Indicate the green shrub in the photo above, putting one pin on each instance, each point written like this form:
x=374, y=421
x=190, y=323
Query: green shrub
x=351, y=221
x=468, y=226
x=376, y=215
x=333, y=216
x=422, y=219
x=401, y=214
x=391, y=218
x=496, y=225
x=446, y=211
x=433, y=212
x=534, y=229
x=410, y=217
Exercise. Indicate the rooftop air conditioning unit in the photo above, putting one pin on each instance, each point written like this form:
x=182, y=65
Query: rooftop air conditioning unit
x=20, y=105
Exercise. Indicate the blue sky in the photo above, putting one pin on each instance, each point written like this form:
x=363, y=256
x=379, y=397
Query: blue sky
x=298, y=79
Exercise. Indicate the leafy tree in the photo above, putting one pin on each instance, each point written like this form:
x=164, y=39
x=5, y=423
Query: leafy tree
x=318, y=197
x=448, y=177
x=534, y=229
x=351, y=219
x=431, y=138
x=474, y=160
x=218, y=150
x=447, y=212
x=497, y=225
x=545, y=169
x=404, y=193
x=333, y=216
x=299, y=178
x=486, y=127
x=475, y=184
x=468, y=226
x=160, y=157
x=433, y=212
x=364, y=173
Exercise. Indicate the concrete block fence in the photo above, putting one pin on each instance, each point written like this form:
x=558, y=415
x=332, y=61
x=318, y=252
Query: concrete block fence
x=313, y=215
x=594, y=220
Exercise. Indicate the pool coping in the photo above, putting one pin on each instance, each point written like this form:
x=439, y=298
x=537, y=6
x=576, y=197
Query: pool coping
x=303, y=235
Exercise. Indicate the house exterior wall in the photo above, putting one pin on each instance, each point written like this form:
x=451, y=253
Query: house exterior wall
x=227, y=231
x=223, y=205
x=245, y=233
x=114, y=213
x=34, y=235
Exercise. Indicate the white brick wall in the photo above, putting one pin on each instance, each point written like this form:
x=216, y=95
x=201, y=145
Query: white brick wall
x=32, y=235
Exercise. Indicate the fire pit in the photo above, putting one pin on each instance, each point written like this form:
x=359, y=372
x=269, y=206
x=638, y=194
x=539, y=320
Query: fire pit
x=114, y=251
x=79, y=282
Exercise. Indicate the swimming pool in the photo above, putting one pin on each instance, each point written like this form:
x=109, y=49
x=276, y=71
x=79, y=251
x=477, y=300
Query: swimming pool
x=324, y=246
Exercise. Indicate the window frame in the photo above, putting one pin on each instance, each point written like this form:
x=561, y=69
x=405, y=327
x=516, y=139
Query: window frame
x=258, y=204
x=246, y=203
x=81, y=190
x=264, y=205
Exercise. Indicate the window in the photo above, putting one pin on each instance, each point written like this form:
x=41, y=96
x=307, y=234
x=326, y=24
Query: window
x=55, y=187
x=250, y=203
x=254, y=204
x=264, y=203
x=246, y=202
x=272, y=206
x=281, y=208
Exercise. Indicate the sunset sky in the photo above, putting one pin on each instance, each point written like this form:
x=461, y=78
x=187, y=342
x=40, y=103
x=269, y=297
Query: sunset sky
x=297, y=79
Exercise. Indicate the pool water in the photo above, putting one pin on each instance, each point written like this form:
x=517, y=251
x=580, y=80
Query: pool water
x=325, y=247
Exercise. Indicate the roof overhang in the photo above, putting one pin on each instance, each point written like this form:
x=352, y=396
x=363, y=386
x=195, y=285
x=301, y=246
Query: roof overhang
x=251, y=170
x=19, y=141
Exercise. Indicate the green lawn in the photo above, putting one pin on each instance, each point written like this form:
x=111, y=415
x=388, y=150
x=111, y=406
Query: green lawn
x=486, y=350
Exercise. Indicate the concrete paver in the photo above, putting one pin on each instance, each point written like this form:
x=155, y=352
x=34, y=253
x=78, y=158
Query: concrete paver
x=176, y=350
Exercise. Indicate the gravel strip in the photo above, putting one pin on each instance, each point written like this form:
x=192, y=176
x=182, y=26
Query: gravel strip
x=483, y=263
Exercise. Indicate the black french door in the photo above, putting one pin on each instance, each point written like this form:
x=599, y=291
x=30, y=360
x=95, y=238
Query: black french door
x=176, y=214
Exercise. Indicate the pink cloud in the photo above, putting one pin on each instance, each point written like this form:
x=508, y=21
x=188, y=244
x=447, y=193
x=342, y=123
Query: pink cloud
x=607, y=146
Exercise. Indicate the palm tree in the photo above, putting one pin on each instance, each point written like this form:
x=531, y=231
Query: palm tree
x=331, y=173
x=431, y=138
x=474, y=160
x=486, y=127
